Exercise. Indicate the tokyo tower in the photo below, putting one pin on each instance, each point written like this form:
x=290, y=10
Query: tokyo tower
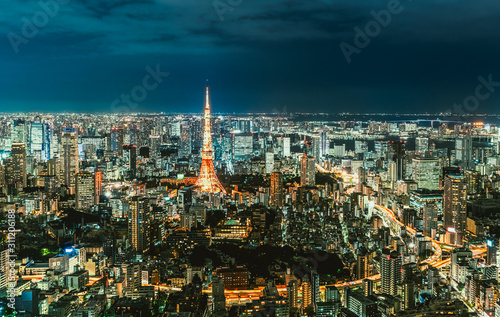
x=207, y=179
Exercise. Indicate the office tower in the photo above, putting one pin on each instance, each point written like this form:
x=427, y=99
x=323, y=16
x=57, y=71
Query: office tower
x=16, y=167
x=426, y=173
x=360, y=147
x=306, y=292
x=367, y=287
x=463, y=151
x=36, y=139
x=397, y=154
x=207, y=179
x=339, y=150
x=390, y=271
x=277, y=189
x=130, y=161
x=242, y=146
x=455, y=205
x=363, y=261
x=392, y=174
x=269, y=160
x=408, y=271
x=491, y=252
x=19, y=132
x=307, y=171
x=47, y=145
x=197, y=135
x=4, y=271
x=154, y=148
x=219, y=299
x=185, y=149
x=421, y=145
x=461, y=258
x=314, y=287
x=293, y=294
x=133, y=277
x=138, y=223
x=381, y=148
x=362, y=306
x=430, y=219
x=117, y=140
x=175, y=129
x=324, y=147
x=473, y=182
x=286, y=146
x=68, y=157
x=85, y=190
x=316, y=147
x=244, y=126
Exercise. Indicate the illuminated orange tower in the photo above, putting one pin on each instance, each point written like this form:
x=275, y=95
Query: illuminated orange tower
x=207, y=179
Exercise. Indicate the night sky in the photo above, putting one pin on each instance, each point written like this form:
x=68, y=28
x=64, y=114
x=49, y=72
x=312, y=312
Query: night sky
x=259, y=55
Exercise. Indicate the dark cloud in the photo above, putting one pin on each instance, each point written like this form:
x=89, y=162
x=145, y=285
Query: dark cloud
x=258, y=55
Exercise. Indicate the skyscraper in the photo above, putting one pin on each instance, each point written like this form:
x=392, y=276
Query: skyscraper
x=130, y=161
x=36, y=139
x=390, y=271
x=455, y=204
x=397, y=154
x=207, y=179
x=426, y=173
x=421, y=145
x=463, y=151
x=269, y=160
x=68, y=157
x=277, y=189
x=16, y=167
x=219, y=299
x=138, y=223
x=324, y=147
x=117, y=140
x=307, y=171
x=430, y=219
x=85, y=190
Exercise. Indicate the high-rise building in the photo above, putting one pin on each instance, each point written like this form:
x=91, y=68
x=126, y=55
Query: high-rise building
x=269, y=160
x=130, y=161
x=36, y=139
x=367, y=287
x=409, y=271
x=286, y=146
x=324, y=147
x=381, y=148
x=430, y=219
x=363, y=265
x=19, y=131
x=390, y=271
x=455, y=205
x=339, y=150
x=242, y=146
x=207, y=179
x=16, y=167
x=138, y=223
x=85, y=190
x=307, y=171
x=293, y=294
x=315, y=287
x=219, y=299
x=421, y=145
x=426, y=173
x=277, y=189
x=68, y=157
x=306, y=292
x=117, y=140
x=463, y=151
x=397, y=154
x=185, y=147
x=47, y=145
x=362, y=306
